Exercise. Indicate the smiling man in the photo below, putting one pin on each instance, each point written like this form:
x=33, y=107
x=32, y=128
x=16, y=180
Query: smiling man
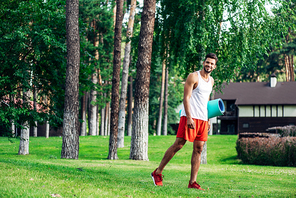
x=194, y=123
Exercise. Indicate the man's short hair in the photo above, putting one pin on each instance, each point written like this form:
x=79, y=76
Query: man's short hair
x=213, y=56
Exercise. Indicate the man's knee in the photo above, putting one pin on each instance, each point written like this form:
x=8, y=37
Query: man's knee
x=198, y=147
x=179, y=143
x=178, y=147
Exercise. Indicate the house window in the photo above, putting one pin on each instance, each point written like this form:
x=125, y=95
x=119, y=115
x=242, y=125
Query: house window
x=256, y=111
x=245, y=125
x=274, y=112
x=262, y=111
x=268, y=111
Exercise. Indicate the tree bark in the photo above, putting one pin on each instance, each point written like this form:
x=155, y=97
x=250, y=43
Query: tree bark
x=24, y=140
x=204, y=154
x=93, y=108
x=46, y=129
x=115, y=82
x=83, y=115
x=93, y=124
x=109, y=121
x=287, y=67
x=292, y=76
x=130, y=106
x=139, y=139
x=158, y=131
x=102, y=131
x=70, y=146
x=12, y=128
x=46, y=122
x=25, y=132
x=165, y=120
x=35, y=128
x=12, y=125
x=126, y=63
x=107, y=118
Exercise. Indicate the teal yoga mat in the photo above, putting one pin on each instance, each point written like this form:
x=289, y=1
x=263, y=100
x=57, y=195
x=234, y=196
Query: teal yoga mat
x=215, y=108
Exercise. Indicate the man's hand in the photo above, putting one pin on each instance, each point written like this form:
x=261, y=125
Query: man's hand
x=190, y=123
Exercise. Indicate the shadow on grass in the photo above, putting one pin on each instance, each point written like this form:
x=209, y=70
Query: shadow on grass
x=231, y=160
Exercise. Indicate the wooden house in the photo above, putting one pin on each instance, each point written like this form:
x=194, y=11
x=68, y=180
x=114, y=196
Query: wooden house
x=256, y=106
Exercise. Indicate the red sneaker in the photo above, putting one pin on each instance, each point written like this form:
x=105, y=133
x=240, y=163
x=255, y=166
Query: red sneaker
x=157, y=178
x=195, y=185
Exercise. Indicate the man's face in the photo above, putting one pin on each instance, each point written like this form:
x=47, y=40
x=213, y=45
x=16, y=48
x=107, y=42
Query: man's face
x=209, y=65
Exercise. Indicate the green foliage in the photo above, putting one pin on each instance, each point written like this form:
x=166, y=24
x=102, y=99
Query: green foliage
x=175, y=96
x=283, y=23
x=33, y=57
x=239, y=32
x=97, y=17
x=32, y=54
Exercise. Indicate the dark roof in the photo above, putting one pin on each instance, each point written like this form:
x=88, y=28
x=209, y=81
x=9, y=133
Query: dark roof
x=259, y=93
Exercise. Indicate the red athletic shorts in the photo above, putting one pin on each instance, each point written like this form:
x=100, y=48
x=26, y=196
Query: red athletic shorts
x=200, y=132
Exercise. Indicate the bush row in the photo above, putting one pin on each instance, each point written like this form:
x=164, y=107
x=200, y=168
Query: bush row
x=270, y=150
x=284, y=131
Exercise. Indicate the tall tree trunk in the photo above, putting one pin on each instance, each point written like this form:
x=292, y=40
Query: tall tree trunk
x=46, y=129
x=93, y=108
x=83, y=115
x=46, y=122
x=102, y=122
x=204, y=154
x=107, y=117
x=139, y=139
x=11, y=121
x=109, y=122
x=35, y=128
x=25, y=132
x=24, y=139
x=165, y=120
x=100, y=81
x=98, y=119
x=93, y=127
x=126, y=63
x=70, y=146
x=12, y=128
x=158, y=131
x=287, y=67
x=130, y=106
x=115, y=82
x=292, y=76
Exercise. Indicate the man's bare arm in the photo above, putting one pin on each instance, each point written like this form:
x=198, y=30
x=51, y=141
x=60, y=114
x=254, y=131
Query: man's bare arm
x=189, y=85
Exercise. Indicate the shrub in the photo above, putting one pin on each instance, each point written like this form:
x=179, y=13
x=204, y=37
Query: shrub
x=284, y=131
x=270, y=150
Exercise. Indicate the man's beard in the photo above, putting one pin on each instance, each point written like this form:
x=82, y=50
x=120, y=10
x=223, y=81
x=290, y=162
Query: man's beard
x=208, y=72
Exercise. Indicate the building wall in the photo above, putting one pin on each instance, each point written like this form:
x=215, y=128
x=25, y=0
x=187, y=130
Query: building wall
x=258, y=118
x=260, y=124
x=267, y=111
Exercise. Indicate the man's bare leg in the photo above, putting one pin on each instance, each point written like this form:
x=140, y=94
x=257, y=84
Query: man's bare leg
x=169, y=154
x=195, y=159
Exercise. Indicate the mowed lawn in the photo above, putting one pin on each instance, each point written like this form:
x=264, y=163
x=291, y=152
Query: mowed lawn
x=44, y=174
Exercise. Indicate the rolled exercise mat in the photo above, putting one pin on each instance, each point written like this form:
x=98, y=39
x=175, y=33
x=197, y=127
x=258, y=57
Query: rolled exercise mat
x=215, y=108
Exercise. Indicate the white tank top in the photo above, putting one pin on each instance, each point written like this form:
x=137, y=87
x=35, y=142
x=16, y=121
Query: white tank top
x=199, y=99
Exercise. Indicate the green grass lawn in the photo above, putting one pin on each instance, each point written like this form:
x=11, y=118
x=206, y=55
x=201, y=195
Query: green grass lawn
x=43, y=173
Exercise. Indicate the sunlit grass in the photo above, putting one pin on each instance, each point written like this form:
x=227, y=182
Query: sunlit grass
x=43, y=173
